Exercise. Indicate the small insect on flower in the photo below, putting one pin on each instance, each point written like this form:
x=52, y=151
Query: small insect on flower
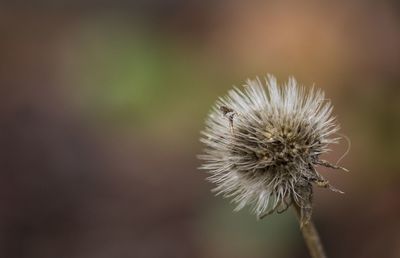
x=229, y=113
x=263, y=145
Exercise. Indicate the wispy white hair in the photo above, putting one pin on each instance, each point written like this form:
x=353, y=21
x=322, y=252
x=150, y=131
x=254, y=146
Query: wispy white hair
x=263, y=143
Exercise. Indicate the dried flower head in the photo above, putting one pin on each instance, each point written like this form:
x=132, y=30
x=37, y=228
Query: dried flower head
x=262, y=145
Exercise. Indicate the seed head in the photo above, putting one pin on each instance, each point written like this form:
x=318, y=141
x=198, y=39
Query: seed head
x=263, y=144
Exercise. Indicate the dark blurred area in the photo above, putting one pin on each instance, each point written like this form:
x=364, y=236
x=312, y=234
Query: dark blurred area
x=101, y=104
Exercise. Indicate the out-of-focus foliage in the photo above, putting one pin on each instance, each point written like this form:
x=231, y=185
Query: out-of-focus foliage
x=101, y=110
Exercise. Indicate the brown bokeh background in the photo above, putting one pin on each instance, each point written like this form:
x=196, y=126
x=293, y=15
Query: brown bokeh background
x=101, y=104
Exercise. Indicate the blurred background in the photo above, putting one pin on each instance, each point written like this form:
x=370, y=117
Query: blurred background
x=101, y=104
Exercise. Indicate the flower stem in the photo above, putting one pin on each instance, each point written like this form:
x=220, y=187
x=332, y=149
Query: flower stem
x=310, y=236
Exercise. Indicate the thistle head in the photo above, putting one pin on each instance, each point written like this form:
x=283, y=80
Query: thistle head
x=263, y=144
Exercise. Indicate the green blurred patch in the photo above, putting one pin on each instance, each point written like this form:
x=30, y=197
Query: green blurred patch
x=242, y=235
x=133, y=76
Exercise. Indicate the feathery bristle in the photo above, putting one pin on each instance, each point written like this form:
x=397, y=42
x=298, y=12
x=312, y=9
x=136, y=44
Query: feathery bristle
x=263, y=143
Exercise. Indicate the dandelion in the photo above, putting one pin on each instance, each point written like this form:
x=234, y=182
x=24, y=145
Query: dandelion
x=264, y=143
